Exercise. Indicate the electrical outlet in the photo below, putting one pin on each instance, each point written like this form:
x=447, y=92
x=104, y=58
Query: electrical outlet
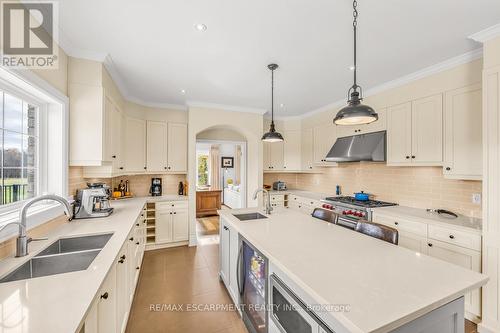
x=476, y=198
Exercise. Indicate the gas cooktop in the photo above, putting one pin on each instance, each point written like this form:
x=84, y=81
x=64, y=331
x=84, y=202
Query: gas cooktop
x=360, y=203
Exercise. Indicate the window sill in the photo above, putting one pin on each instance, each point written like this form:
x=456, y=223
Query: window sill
x=38, y=214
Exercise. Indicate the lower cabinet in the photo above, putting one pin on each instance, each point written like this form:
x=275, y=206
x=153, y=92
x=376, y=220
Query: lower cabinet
x=172, y=223
x=110, y=310
x=305, y=205
x=228, y=259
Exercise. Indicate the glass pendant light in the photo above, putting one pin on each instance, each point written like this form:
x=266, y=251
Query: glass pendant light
x=272, y=135
x=355, y=113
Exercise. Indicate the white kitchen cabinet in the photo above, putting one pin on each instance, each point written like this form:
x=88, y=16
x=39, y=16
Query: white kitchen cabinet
x=135, y=145
x=324, y=137
x=92, y=319
x=228, y=259
x=292, y=151
x=463, y=133
x=399, y=134
x=156, y=143
x=466, y=258
x=122, y=289
x=177, y=147
x=413, y=242
x=172, y=223
x=224, y=254
x=415, y=132
x=376, y=126
x=307, y=148
x=273, y=156
x=106, y=303
x=427, y=130
x=116, y=128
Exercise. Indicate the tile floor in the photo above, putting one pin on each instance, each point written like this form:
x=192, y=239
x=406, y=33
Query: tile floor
x=182, y=276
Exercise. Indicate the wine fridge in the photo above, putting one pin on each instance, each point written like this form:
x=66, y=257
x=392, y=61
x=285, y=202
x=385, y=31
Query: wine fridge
x=252, y=286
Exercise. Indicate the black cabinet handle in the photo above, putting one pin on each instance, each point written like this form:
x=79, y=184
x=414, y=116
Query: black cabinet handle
x=175, y=212
x=413, y=156
x=448, y=168
x=114, y=156
x=430, y=244
x=121, y=168
x=396, y=223
x=452, y=237
x=122, y=257
x=169, y=168
x=310, y=167
x=170, y=213
x=105, y=295
x=165, y=168
x=121, y=261
x=145, y=168
x=407, y=157
x=226, y=228
x=137, y=243
x=137, y=224
x=131, y=239
x=137, y=267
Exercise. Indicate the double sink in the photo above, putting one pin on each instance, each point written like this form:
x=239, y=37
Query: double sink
x=63, y=256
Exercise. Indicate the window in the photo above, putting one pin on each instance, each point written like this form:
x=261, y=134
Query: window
x=202, y=169
x=19, y=149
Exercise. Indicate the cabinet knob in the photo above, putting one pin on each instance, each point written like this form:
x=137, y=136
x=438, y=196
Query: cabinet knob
x=105, y=295
x=452, y=237
x=226, y=228
x=121, y=168
x=396, y=223
x=165, y=168
x=310, y=167
x=137, y=267
x=114, y=156
x=170, y=213
x=175, y=212
x=121, y=261
x=430, y=244
x=122, y=257
x=131, y=239
x=284, y=167
x=145, y=168
x=137, y=224
x=137, y=243
x=169, y=168
x=448, y=168
x=407, y=157
x=413, y=156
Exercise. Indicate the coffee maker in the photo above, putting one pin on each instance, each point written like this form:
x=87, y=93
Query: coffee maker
x=155, y=187
x=93, y=201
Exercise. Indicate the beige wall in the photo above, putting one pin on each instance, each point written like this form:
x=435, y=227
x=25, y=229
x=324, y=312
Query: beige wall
x=249, y=125
x=492, y=53
x=156, y=114
x=224, y=134
x=422, y=187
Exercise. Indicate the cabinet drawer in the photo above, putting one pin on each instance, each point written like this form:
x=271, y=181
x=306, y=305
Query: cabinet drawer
x=419, y=229
x=171, y=204
x=459, y=238
x=277, y=197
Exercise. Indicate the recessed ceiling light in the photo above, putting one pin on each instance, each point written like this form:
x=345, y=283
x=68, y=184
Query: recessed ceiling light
x=351, y=68
x=183, y=91
x=200, y=27
x=282, y=105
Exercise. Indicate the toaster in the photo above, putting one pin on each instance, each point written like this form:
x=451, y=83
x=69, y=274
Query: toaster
x=279, y=186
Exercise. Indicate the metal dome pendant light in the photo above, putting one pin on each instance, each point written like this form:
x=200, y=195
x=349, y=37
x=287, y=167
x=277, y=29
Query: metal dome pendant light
x=355, y=113
x=272, y=135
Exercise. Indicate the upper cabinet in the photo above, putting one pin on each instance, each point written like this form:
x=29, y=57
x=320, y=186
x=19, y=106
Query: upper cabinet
x=463, y=133
x=376, y=126
x=324, y=136
x=415, y=132
x=177, y=147
x=292, y=151
x=274, y=156
x=166, y=147
x=135, y=143
x=307, y=149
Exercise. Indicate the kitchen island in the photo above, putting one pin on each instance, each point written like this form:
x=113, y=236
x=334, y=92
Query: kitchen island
x=386, y=288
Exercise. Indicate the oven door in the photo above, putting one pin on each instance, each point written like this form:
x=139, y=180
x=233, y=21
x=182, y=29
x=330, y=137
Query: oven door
x=288, y=313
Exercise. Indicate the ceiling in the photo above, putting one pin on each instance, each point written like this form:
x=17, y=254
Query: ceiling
x=156, y=52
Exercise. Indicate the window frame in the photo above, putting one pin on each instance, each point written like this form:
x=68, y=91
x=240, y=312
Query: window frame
x=41, y=154
x=198, y=154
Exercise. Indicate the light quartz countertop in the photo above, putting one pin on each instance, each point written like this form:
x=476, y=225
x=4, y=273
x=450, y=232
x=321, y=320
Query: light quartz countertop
x=470, y=224
x=385, y=285
x=58, y=303
x=304, y=194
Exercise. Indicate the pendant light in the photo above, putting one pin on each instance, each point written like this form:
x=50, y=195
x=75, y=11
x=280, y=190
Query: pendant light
x=355, y=113
x=272, y=135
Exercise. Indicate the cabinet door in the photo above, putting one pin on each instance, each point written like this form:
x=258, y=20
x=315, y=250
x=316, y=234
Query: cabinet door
x=224, y=260
x=116, y=138
x=91, y=320
x=107, y=129
x=234, y=247
x=135, y=145
x=132, y=260
x=427, y=130
x=157, y=146
x=307, y=149
x=122, y=293
x=324, y=137
x=463, y=133
x=106, y=303
x=177, y=147
x=266, y=160
x=276, y=152
x=292, y=150
x=180, y=225
x=163, y=226
x=466, y=258
x=399, y=134
x=413, y=242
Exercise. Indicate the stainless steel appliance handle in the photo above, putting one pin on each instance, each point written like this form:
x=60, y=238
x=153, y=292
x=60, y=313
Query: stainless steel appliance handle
x=238, y=269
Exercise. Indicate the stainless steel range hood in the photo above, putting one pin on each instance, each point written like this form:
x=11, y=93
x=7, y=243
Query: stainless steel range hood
x=363, y=147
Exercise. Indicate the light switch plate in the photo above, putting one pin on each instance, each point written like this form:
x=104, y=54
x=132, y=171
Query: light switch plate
x=476, y=198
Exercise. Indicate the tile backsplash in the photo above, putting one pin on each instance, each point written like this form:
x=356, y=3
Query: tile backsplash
x=420, y=187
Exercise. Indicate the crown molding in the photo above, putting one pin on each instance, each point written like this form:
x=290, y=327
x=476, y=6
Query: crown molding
x=486, y=34
x=75, y=52
x=425, y=72
x=197, y=104
x=169, y=106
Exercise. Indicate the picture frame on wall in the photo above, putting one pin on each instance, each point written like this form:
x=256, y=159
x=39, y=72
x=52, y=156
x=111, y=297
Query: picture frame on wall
x=227, y=162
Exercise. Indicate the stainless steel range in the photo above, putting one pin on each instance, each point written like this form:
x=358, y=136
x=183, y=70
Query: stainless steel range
x=351, y=210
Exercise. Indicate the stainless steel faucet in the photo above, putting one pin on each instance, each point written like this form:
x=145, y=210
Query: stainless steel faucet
x=22, y=240
x=268, y=201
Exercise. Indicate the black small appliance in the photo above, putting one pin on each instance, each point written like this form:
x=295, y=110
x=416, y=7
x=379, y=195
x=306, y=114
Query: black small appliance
x=155, y=187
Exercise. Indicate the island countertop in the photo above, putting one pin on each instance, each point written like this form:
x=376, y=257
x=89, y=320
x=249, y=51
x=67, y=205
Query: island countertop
x=386, y=286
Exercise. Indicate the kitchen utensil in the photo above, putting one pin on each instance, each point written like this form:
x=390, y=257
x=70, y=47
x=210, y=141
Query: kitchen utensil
x=361, y=196
x=443, y=213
